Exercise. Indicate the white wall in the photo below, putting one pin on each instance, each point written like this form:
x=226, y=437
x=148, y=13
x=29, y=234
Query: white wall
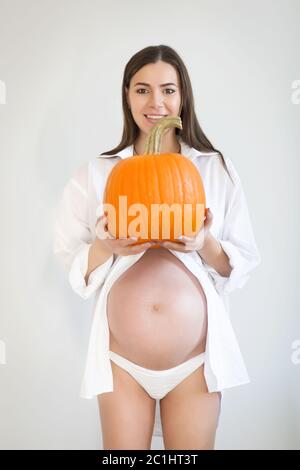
x=60, y=105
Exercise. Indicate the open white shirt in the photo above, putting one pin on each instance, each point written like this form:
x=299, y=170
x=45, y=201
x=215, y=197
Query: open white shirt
x=74, y=232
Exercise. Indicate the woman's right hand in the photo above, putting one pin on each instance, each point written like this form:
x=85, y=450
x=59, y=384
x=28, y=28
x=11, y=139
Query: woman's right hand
x=119, y=246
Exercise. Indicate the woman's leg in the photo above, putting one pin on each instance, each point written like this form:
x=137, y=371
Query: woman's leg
x=190, y=414
x=127, y=414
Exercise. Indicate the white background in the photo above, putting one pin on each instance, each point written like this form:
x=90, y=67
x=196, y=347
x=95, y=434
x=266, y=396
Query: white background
x=61, y=69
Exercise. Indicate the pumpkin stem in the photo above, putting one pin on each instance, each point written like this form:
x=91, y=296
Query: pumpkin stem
x=153, y=142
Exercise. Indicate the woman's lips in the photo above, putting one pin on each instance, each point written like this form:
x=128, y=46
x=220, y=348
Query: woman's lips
x=152, y=121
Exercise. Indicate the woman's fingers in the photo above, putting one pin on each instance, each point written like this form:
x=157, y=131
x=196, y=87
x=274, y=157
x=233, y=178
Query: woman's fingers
x=141, y=247
x=103, y=233
x=185, y=239
x=132, y=250
x=101, y=229
x=208, y=216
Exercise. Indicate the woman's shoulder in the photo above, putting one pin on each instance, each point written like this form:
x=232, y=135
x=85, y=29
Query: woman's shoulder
x=82, y=173
x=216, y=168
x=95, y=164
x=79, y=176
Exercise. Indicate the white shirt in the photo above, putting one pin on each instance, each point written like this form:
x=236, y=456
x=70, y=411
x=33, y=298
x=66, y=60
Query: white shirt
x=74, y=232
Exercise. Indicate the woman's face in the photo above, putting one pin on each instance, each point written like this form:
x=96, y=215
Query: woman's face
x=154, y=89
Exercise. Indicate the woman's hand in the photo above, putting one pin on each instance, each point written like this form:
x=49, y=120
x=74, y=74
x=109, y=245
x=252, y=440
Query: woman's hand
x=119, y=246
x=187, y=244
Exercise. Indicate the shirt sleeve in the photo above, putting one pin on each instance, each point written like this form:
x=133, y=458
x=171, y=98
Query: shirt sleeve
x=73, y=239
x=237, y=239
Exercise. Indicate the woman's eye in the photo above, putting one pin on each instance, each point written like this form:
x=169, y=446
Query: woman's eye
x=144, y=89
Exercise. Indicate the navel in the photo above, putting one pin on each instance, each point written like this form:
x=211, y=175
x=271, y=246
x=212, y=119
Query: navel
x=156, y=307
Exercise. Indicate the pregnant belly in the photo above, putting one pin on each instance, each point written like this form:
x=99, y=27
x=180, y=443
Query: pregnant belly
x=157, y=312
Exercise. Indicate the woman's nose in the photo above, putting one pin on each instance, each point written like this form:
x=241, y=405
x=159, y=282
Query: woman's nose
x=156, y=100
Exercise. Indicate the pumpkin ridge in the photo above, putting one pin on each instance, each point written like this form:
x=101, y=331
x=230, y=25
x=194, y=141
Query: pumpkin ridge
x=157, y=178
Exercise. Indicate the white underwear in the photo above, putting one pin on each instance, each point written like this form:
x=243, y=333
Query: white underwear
x=158, y=383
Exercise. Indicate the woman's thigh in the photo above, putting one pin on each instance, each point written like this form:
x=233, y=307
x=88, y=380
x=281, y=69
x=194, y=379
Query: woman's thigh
x=190, y=414
x=127, y=414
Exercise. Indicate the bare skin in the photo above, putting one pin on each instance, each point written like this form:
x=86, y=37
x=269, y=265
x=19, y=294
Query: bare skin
x=157, y=314
x=158, y=324
x=155, y=99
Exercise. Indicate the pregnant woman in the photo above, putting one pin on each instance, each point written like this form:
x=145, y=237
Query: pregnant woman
x=160, y=327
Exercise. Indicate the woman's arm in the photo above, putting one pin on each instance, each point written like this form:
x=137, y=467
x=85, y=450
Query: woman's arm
x=213, y=254
x=98, y=254
x=236, y=239
x=85, y=264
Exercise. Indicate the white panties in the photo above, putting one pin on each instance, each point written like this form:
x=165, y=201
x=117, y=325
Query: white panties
x=158, y=383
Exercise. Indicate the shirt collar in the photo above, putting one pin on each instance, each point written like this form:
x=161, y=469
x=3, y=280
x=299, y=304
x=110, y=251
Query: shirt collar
x=189, y=152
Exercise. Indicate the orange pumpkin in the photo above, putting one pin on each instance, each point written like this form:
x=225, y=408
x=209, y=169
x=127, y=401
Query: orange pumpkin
x=155, y=196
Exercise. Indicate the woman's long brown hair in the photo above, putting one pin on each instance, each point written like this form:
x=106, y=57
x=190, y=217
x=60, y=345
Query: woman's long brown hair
x=191, y=132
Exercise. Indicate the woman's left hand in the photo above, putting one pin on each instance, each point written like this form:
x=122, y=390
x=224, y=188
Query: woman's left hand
x=187, y=244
